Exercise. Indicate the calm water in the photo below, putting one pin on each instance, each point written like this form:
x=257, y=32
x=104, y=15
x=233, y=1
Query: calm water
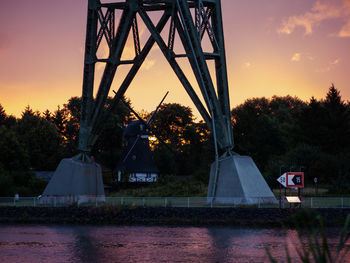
x=144, y=244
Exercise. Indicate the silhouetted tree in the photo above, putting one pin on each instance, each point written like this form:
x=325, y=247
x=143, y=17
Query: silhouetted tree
x=336, y=123
x=59, y=118
x=171, y=122
x=3, y=115
x=257, y=133
x=175, y=124
x=108, y=148
x=277, y=131
x=7, y=120
x=47, y=115
x=13, y=155
x=69, y=117
x=40, y=140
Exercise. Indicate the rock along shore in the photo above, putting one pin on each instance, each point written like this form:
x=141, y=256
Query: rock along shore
x=167, y=216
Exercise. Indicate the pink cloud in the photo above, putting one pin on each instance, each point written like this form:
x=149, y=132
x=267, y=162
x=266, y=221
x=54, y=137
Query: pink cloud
x=320, y=11
x=331, y=65
x=345, y=30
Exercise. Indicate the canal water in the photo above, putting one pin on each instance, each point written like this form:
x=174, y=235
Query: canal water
x=56, y=243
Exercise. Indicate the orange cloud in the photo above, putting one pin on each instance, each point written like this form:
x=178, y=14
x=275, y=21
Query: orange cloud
x=247, y=65
x=296, y=57
x=148, y=64
x=345, y=30
x=319, y=12
x=329, y=67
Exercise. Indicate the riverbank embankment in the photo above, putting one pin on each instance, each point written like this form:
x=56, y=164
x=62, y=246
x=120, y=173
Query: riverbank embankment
x=165, y=216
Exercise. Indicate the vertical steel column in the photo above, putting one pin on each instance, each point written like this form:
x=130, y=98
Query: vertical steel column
x=110, y=69
x=89, y=72
x=195, y=54
x=221, y=70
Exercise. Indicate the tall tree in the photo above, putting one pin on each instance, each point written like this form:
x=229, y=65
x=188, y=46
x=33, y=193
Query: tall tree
x=59, y=118
x=47, y=115
x=3, y=115
x=171, y=122
x=310, y=124
x=40, y=139
x=68, y=123
x=337, y=122
x=108, y=148
x=175, y=124
x=256, y=132
x=7, y=120
x=13, y=155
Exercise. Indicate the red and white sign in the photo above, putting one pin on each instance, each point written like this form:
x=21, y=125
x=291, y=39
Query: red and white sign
x=292, y=179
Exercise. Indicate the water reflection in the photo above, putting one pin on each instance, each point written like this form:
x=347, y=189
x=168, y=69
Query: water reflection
x=84, y=248
x=144, y=244
x=242, y=245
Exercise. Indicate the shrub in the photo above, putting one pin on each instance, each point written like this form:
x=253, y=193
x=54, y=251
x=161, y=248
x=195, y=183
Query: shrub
x=316, y=248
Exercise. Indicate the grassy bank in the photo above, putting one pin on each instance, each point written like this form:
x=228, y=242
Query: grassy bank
x=166, y=186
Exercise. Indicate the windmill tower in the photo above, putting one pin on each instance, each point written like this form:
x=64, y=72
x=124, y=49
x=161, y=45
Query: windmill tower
x=137, y=159
x=183, y=22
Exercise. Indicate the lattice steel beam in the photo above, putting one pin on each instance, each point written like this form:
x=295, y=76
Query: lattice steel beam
x=191, y=31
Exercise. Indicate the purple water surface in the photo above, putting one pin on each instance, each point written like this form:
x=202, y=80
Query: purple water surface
x=52, y=243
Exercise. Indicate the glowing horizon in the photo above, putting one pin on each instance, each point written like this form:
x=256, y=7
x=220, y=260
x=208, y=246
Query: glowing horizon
x=294, y=48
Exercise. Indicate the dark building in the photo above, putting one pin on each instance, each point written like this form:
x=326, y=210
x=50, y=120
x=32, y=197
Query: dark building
x=137, y=161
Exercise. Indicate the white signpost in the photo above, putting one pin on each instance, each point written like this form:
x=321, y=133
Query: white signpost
x=292, y=180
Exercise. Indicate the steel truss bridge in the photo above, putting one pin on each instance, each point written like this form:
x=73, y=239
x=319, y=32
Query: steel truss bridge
x=184, y=22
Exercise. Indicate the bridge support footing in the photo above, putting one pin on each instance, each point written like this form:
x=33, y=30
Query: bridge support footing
x=75, y=179
x=238, y=181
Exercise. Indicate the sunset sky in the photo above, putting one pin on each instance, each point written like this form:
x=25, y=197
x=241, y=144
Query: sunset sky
x=273, y=47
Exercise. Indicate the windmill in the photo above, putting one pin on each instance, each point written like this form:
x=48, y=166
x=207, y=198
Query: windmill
x=137, y=160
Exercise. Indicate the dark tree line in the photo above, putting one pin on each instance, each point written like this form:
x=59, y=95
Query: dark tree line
x=38, y=141
x=276, y=132
x=285, y=132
